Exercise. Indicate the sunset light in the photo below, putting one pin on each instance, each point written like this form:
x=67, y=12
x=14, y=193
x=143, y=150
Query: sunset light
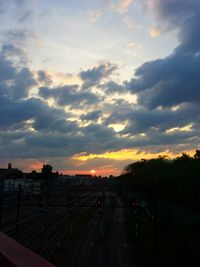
x=100, y=133
x=100, y=102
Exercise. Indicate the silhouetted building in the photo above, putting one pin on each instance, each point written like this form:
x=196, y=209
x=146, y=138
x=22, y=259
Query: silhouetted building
x=10, y=173
x=9, y=166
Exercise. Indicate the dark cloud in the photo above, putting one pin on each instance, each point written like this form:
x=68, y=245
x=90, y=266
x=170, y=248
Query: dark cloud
x=24, y=81
x=119, y=112
x=16, y=107
x=98, y=132
x=14, y=56
x=92, y=116
x=167, y=89
x=142, y=120
x=9, y=50
x=7, y=71
x=168, y=82
x=44, y=117
x=43, y=77
x=93, y=76
x=112, y=87
x=174, y=11
x=92, y=139
x=30, y=128
x=69, y=95
x=15, y=81
x=181, y=15
x=174, y=79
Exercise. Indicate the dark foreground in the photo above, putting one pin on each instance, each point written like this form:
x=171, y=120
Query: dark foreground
x=95, y=225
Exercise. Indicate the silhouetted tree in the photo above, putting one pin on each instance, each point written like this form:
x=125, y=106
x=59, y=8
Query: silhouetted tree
x=174, y=180
x=47, y=169
x=197, y=155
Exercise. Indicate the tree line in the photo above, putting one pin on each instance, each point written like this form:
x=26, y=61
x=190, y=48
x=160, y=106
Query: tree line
x=175, y=180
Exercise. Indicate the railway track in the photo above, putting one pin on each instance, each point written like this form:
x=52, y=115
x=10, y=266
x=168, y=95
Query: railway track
x=62, y=232
x=26, y=219
x=40, y=225
x=50, y=247
x=82, y=254
x=24, y=214
x=119, y=257
x=43, y=232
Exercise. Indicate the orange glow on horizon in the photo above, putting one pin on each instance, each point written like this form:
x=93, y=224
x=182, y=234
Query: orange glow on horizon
x=99, y=172
x=114, y=167
x=130, y=154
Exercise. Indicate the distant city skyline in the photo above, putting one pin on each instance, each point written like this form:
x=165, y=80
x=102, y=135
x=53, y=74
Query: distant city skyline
x=96, y=85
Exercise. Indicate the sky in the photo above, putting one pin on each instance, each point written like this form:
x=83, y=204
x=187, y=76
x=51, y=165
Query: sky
x=98, y=84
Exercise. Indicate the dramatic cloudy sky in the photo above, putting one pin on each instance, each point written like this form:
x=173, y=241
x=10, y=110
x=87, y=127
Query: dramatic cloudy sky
x=98, y=84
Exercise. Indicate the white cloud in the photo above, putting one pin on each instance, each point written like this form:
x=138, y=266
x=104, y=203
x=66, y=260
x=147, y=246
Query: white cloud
x=128, y=22
x=155, y=32
x=134, y=45
x=94, y=15
x=122, y=6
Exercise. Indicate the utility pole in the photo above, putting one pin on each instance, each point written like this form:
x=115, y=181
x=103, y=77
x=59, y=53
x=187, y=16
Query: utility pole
x=1, y=201
x=18, y=207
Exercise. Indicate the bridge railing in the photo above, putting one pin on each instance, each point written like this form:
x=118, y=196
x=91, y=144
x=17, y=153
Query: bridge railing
x=13, y=254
